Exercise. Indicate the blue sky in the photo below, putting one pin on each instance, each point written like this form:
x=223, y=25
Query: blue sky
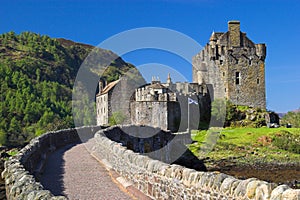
x=273, y=22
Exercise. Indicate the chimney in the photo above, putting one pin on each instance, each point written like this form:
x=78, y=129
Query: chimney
x=100, y=86
x=234, y=33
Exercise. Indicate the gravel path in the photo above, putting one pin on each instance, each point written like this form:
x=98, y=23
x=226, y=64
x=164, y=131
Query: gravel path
x=71, y=171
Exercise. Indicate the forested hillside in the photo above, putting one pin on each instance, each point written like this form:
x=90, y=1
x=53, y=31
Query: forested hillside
x=36, y=76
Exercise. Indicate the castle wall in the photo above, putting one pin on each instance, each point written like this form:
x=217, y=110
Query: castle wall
x=120, y=98
x=251, y=88
x=174, y=116
x=163, y=114
x=102, y=109
x=150, y=113
x=116, y=101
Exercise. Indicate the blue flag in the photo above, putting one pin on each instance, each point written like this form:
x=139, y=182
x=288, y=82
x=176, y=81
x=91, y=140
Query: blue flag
x=191, y=101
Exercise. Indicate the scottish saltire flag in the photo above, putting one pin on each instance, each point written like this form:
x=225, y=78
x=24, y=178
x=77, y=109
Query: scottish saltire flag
x=191, y=101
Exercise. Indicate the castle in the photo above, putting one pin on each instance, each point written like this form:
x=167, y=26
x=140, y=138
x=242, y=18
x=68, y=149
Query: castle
x=234, y=66
x=229, y=67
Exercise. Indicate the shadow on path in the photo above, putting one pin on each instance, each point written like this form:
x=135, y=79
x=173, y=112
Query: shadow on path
x=72, y=172
x=52, y=177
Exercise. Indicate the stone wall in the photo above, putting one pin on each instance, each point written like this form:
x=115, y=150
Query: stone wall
x=163, y=114
x=154, y=178
x=22, y=171
x=159, y=180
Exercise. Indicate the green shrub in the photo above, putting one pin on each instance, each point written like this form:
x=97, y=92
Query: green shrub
x=292, y=118
x=116, y=118
x=259, y=123
x=287, y=141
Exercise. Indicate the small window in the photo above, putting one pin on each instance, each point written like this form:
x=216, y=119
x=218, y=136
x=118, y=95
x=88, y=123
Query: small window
x=221, y=62
x=237, y=78
x=250, y=62
x=223, y=73
x=225, y=89
x=257, y=81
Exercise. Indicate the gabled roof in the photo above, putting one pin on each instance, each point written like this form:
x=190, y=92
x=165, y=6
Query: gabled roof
x=109, y=86
x=157, y=86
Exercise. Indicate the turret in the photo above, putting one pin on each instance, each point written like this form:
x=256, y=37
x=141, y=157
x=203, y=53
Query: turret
x=261, y=51
x=213, y=38
x=169, y=80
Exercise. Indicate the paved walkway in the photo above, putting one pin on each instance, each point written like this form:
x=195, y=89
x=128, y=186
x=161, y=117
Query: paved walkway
x=71, y=171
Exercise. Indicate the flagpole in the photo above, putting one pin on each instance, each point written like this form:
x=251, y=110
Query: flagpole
x=190, y=101
x=188, y=128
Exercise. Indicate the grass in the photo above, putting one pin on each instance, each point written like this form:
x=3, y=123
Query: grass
x=13, y=152
x=244, y=145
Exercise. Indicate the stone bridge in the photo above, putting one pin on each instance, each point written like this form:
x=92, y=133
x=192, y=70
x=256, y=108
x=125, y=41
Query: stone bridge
x=138, y=162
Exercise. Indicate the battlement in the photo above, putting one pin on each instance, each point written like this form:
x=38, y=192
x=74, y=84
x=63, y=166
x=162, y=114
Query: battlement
x=154, y=92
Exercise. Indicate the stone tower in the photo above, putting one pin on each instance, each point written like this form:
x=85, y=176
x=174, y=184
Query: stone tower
x=234, y=66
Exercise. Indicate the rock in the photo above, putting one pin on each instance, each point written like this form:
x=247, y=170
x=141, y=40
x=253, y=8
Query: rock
x=252, y=117
x=291, y=194
x=227, y=183
x=264, y=191
x=277, y=192
x=219, y=180
x=240, y=190
x=251, y=188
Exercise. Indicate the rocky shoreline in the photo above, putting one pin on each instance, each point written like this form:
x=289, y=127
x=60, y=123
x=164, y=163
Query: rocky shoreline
x=279, y=173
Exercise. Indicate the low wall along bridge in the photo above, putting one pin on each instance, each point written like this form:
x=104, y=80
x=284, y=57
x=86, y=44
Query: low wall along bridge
x=111, y=164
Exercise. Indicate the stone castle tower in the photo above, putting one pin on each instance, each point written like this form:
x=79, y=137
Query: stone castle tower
x=234, y=66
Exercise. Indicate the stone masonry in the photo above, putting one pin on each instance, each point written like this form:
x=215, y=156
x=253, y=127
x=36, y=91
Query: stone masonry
x=154, y=178
x=159, y=180
x=22, y=172
x=229, y=67
x=234, y=66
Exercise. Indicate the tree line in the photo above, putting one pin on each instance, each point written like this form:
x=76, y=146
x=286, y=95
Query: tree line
x=37, y=74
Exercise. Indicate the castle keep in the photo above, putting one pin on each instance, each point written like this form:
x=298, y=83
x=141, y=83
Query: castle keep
x=234, y=66
x=229, y=67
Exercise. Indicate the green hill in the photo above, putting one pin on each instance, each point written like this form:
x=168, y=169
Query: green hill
x=37, y=74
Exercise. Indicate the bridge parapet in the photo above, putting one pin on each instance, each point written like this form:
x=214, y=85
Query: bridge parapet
x=154, y=178
x=159, y=180
x=22, y=172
